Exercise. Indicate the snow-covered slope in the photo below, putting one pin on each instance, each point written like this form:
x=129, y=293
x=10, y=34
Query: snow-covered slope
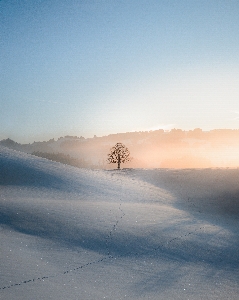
x=69, y=233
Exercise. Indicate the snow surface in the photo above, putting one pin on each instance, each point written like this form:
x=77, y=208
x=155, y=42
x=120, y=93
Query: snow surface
x=69, y=233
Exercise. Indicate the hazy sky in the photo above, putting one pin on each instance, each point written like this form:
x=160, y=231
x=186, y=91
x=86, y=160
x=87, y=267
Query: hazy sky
x=83, y=67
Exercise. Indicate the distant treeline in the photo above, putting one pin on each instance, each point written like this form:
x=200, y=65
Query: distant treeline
x=64, y=159
x=176, y=148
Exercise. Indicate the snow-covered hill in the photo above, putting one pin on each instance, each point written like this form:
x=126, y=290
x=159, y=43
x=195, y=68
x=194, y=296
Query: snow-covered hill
x=69, y=233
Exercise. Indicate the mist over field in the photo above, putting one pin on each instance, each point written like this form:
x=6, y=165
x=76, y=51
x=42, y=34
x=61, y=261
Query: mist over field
x=149, y=149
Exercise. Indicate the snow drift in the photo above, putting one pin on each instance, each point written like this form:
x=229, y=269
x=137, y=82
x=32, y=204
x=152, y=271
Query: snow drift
x=69, y=233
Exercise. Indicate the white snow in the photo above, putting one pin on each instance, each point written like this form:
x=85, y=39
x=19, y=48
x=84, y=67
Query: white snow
x=69, y=233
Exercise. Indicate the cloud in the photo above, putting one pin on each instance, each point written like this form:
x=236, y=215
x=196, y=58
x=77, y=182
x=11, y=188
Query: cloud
x=235, y=112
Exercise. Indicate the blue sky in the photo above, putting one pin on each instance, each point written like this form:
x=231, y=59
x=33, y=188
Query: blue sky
x=101, y=67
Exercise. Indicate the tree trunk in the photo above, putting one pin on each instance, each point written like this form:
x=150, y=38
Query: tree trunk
x=118, y=161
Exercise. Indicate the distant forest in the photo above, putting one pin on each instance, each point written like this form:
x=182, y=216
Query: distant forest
x=150, y=149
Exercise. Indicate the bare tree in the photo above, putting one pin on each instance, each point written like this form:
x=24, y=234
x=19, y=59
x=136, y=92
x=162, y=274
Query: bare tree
x=119, y=154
